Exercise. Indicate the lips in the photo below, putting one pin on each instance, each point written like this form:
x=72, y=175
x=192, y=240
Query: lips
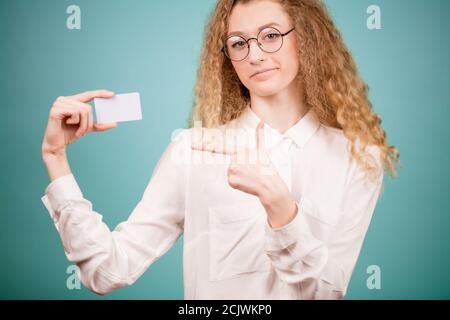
x=261, y=71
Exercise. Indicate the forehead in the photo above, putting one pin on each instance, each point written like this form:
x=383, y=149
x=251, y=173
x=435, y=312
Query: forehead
x=246, y=19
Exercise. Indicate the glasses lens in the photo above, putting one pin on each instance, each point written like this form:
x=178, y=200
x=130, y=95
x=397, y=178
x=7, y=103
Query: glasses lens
x=236, y=48
x=270, y=39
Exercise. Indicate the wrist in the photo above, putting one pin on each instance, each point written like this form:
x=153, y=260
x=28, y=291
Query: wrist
x=50, y=157
x=280, y=206
x=290, y=212
x=57, y=164
x=49, y=154
x=270, y=199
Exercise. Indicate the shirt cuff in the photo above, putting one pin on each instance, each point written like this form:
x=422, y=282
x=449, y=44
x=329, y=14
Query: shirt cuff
x=58, y=192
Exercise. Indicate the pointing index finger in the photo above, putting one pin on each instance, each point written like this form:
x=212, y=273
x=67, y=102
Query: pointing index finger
x=89, y=95
x=215, y=148
x=260, y=143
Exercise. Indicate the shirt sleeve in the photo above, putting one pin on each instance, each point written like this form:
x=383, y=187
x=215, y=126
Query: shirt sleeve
x=317, y=257
x=109, y=260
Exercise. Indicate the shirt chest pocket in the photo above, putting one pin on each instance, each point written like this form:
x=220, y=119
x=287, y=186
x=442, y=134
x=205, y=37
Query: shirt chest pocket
x=236, y=240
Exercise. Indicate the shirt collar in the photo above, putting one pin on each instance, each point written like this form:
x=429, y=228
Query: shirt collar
x=300, y=132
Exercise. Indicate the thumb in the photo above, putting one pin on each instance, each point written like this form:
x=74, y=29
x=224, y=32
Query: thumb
x=104, y=126
x=260, y=140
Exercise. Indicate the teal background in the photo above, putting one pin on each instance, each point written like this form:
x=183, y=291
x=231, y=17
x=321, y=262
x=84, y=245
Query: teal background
x=153, y=47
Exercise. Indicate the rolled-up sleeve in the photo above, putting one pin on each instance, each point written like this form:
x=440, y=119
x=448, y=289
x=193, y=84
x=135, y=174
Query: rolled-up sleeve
x=109, y=260
x=317, y=256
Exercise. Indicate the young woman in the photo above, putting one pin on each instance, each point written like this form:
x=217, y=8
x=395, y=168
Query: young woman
x=273, y=186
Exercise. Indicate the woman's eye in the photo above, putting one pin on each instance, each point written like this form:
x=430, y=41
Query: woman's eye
x=238, y=45
x=271, y=36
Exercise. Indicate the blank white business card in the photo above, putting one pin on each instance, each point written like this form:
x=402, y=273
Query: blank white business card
x=120, y=108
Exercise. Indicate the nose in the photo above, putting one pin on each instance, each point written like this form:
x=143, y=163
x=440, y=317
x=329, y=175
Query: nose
x=255, y=53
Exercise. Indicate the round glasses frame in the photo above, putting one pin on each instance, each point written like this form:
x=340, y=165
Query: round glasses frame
x=224, y=50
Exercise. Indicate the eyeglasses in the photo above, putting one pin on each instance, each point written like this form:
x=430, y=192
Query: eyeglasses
x=269, y=40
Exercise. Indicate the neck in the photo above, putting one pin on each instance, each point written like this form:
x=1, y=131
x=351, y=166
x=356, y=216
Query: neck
x=282, y=110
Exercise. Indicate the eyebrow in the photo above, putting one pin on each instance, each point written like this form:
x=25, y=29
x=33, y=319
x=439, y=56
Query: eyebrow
x=259, y=29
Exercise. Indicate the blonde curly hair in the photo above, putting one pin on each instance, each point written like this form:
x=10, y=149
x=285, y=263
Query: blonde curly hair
x=331, y=84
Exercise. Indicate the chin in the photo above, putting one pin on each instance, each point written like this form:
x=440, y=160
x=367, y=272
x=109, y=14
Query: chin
x=264, y=90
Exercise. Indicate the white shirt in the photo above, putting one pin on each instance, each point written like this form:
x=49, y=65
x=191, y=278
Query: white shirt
x=230, y=251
